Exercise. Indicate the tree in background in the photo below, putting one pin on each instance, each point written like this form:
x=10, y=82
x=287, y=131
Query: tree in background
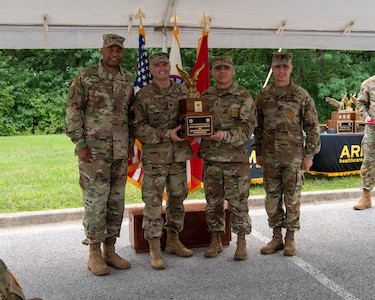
x=34, y=83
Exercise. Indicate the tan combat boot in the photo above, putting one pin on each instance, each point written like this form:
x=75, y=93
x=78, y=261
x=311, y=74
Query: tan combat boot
x=111, y=258
x=275, y=244
x=290, y=245
x=241, y=251
x=96, y=264
x=215, y=246
x=157, y=261
x=365, y=201
x=174, y=246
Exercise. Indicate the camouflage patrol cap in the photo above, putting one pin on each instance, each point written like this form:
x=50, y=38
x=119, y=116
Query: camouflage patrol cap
x=222, y=61
x=159, y=57
x=113, y=40
x=282, y=58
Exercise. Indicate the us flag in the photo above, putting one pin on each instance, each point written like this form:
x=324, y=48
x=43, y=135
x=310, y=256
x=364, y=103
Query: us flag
x=144, y=77
x=143, y=72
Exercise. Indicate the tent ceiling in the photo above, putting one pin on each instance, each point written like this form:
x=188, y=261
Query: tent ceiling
x=321, y=24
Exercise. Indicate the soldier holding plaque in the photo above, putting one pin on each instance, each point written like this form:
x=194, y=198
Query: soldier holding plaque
x=226, y=161
x=164, y=156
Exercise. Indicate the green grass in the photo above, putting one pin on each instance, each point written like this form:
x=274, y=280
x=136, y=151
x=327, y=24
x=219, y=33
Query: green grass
x=41, y=173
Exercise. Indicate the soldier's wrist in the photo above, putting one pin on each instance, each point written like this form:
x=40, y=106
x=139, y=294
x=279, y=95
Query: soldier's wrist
x=80, y=145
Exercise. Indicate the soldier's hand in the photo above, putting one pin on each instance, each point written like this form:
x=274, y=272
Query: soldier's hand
x=217, y=136
x=84, y=154
x=306, y=164
x=173, y=134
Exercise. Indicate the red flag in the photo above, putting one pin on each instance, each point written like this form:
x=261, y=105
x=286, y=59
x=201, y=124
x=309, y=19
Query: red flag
x=135, y=172
x=203, y=82
x=196, y=164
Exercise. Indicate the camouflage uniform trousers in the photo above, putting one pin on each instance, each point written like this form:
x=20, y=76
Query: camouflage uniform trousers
x=157, y=177
x=227, y=181
x=368, y=164
x=103, y=186
x=283, y=185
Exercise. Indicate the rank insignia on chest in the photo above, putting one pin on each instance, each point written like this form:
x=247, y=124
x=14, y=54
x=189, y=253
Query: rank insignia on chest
x=234, y=112
x=290, y=114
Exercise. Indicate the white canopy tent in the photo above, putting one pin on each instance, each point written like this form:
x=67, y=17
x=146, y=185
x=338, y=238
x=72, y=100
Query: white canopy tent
x=293, y=24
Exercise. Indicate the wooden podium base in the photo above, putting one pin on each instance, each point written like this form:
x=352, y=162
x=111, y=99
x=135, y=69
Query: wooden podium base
x=194, y=234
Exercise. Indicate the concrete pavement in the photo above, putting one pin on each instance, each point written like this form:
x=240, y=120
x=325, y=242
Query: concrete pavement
x=335, y=259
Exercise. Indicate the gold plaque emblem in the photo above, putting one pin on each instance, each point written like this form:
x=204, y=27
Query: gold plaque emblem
x=198, y=107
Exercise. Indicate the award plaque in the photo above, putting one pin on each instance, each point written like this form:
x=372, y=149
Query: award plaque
x=345, y=120
x=195, y=117
x=342, y=122
x=359, y=126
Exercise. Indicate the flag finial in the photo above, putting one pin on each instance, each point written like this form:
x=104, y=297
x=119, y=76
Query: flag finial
x=205, y=22
x=139, y=15
x=174, y=20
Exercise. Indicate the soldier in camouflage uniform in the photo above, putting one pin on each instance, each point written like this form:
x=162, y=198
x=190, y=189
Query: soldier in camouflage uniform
x=226, y=160
x=366, y=109
x=284, y=111
x=97, y=121
x=10, y=289
x=164, y=156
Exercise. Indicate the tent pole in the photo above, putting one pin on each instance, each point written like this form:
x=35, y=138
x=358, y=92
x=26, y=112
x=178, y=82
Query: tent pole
x=164, y=41
x=167, y=16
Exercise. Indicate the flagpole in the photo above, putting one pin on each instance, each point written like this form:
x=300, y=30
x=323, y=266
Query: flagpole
x=269, y=73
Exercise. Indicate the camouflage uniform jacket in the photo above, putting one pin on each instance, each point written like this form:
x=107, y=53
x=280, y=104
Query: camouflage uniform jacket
x=155, y=115
x=366, y=105
x=97, y=112
x=281, y=123
x=233, y=112
x=10, y=289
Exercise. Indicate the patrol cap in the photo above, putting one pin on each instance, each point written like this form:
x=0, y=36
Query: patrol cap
x=282, y=58
x=222, y=61
x=159, y=57
x=113, y=40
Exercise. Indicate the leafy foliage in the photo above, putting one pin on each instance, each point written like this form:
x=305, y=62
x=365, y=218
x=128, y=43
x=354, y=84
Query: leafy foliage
x=34, y=83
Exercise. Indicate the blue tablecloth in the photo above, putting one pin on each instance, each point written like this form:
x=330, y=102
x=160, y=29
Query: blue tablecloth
x=340, y=155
